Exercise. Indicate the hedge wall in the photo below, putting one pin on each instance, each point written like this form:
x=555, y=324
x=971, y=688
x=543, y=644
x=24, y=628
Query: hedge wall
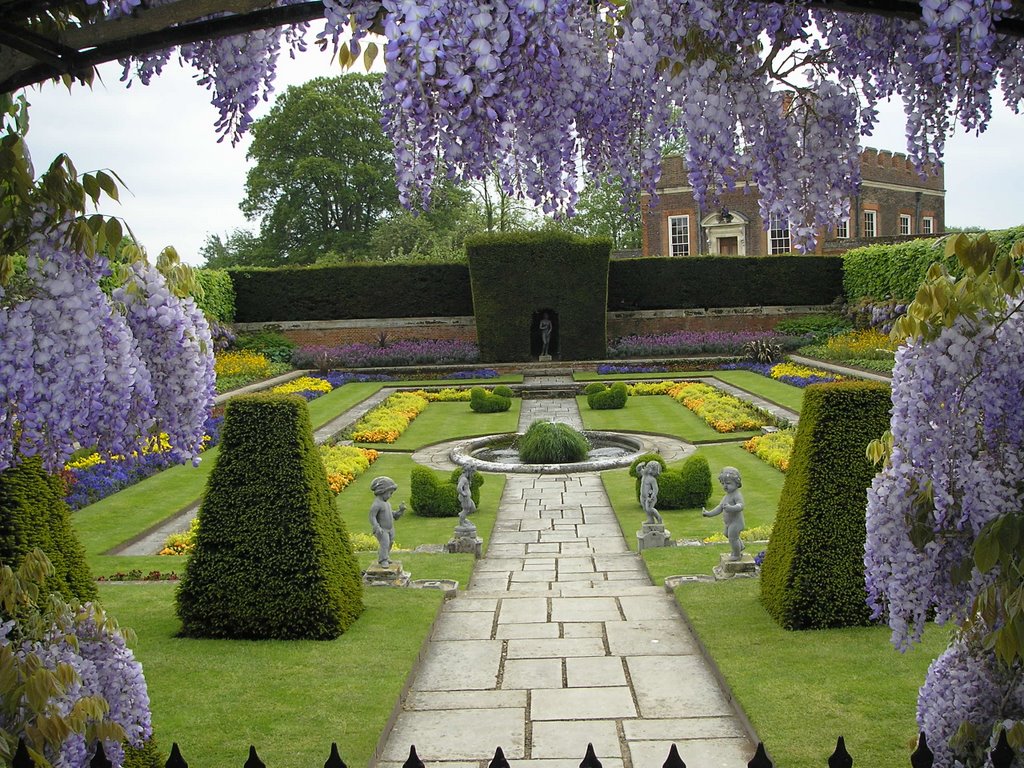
x=880, y=272
x=218, y=301
x=272, y=557
x=517, y=276
x=813, y=572
x=723, y=281
x=33, y=514
x=352, y=291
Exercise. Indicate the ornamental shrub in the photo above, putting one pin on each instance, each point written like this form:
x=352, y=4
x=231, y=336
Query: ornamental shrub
x=276, y=347
x=547, y=442
x=684, y=487
x=436, y=495
x=594, y=386
x=272, y=557
x=482, y=401
x=612, y=398
x=218, y=299
x=813, y=572
x=33, y=513
x=504, y=391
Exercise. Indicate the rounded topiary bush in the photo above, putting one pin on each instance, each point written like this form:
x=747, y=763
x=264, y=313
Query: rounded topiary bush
x=33, y=514
x=547, y=442
x=643, y=459
x=503, y=391
x=695, y=476
x=609, y=399
x=482, y=401
x=594, y=386
x=272, y=557
x=432, y=494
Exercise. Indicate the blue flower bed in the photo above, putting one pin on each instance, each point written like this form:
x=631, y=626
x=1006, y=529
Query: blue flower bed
x=765, y=369
x=478, y=373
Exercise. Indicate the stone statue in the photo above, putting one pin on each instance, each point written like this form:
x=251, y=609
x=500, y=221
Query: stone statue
x=545, y=334
x=465, y=489
x=382, y=517
x=731, y=509
x=649, y=472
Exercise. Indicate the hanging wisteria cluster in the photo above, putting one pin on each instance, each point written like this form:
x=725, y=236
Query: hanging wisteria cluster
x=765, y=93
x=76, y=371
x=957, y=465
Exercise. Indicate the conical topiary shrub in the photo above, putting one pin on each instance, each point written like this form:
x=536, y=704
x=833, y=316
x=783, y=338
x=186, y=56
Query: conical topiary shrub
x=33, y=514
x=272, y=557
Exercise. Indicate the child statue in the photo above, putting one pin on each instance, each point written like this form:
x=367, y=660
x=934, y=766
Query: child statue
x=649, y=490
x=465, y=491
x=382, y=517
x=731, y=509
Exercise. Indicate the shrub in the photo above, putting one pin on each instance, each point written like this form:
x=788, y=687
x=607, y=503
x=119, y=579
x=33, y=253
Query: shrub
x=272, y=556
x=813, y=327
x=609, y=399
x=594, y=386
x=33, y=514
x=547, y=442
x=762, y=351
x=684, y=487
x=434, y=495
x=276, y=347
x=813, y=573
x=504, y=391
x=482, y=401
x=218, y=299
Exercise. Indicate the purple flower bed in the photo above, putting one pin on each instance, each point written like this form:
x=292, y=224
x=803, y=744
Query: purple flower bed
x=404, y=352
x=477, y=373
x=690, y=343
x=765, y=369
x=340, y=378
x=606, y=368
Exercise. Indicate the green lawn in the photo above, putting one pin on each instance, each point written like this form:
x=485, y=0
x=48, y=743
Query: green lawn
x=658, y=415
x=801, y=690
x=774, y=391
x=449, y=421
x=762, y=486
x=290, y=699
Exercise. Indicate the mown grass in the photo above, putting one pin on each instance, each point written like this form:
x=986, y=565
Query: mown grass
x=777, y=392
x=290, y=699
x=449, y=421
x=801, y=690
x=762, y=486
x=658, y=415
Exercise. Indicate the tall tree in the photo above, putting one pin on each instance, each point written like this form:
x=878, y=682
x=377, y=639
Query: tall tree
x=600, y=213
x=324, y=171
x=239, y=248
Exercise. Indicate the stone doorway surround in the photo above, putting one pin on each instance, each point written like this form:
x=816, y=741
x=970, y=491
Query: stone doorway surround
x=730, y=228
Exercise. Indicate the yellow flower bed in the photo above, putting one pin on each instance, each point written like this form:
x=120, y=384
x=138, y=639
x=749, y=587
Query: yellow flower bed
x=181, y=543
x=241, y=363
x=386, y=422
x=155, y=444
x=861, y=343
x=773, y=448
x=652, y=387
x=722, y=412
x=799, y=371
x=303, y=384
x=758, y=533
x=446, y=395
x=344, y=463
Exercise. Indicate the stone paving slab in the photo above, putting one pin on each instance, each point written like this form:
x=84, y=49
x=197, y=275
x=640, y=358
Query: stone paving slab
x=702, y=753
x=676, y=686
x=459, y=665
x=445, y=700
x=594, y=672
x=458, y=734
x=566, y=704
x=569, y=739
x=556, y=648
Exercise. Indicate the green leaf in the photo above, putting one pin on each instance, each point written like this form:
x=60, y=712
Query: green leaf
x=107, y=184
x=370, y=54
x=114, y=232
x=91, y=187
x=986, y=552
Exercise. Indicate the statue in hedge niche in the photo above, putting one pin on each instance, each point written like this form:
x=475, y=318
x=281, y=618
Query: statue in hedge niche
x=545, y=334
x=731, y=509
x=382, y=517
x=464, y=487
x=649, y=472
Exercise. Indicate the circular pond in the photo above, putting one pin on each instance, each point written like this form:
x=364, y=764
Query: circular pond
x=497, y=453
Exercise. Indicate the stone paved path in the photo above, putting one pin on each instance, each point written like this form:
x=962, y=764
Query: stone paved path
x=560, y=640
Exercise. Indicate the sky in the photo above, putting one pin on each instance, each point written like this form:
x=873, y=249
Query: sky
x=181, y=185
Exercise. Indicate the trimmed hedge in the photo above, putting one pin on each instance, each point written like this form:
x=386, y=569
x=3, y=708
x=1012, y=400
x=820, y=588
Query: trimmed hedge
x=685, y=487
x=608, y=399
x=895, y=272
x=218, y=301
x=482, y=401
x=518, y=276
x=723, y=281
x=33, y=514
x=272, y=557
x=813, y=573
x=433, y=495
x=351, y=291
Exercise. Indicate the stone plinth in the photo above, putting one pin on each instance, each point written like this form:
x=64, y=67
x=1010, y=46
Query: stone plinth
x=465, y=540
x=544, y=359
x=728, y=568
x=652, y=536
x=386, y=576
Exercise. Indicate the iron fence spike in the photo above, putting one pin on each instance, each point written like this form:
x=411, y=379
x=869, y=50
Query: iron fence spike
x=673, y=760
x=840, y=757
x=760, y=758
x=1002, y=755
x=499, y=760
x=413, y=761
x=590, y=759
x=175, y=760
x=254, y=759
x=99, y=760
x=334, y=759
x=922, y=756
x=22, y=759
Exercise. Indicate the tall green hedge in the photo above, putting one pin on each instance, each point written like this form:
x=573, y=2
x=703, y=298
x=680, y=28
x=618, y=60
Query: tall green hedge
x=880, y=272
x=813, y=572
x=518, y=275
x=723, y=281
x=351, y=292
x=33, y=514
x=218, y=300
x=272, y=557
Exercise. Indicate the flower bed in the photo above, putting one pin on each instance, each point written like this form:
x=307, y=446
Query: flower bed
x=386, y=422
x=773, y=448
x=722, y=412
x=695, y=343
x=788, y=373
x=398, y=353
x=309, y=387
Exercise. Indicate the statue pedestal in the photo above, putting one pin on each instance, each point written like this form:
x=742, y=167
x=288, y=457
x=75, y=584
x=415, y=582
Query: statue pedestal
x=544, y=359
x=652, y=536
x=386, y=575
x=728, y=568
x=465, y=540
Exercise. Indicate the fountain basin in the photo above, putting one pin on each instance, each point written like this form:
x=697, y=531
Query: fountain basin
x=494, y=454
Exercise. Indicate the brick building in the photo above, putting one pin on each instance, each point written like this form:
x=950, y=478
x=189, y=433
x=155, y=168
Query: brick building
x=894, y=202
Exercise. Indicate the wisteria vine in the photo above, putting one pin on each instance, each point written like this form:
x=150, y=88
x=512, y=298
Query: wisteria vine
x=766, y=93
